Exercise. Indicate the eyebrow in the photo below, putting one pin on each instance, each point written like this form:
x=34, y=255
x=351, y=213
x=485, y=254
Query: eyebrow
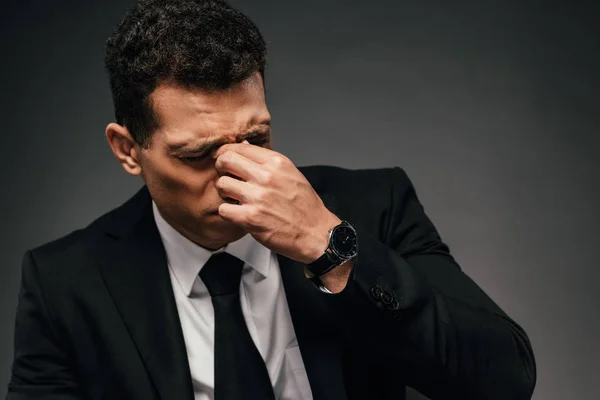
x=185, y=148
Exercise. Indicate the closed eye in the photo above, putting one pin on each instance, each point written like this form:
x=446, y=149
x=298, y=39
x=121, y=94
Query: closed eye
x=192, y=159
x=257, y=142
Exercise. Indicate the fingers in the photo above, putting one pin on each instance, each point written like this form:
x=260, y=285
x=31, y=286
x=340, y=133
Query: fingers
x=231, y=188
x=258, y=154
x=236, y=164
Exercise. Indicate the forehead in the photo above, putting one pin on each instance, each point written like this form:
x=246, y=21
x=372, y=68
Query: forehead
x=188, y=114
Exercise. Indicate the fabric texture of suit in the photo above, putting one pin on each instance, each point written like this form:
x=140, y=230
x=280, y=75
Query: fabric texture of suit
x=96, y=316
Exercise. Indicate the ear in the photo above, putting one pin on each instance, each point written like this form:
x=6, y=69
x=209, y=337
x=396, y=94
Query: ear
x=124, y=147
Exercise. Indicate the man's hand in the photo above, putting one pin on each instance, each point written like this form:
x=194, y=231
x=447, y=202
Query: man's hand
x=277, y=205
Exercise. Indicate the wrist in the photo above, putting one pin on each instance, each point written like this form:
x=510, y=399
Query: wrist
x=342, y=246
x=337, y=279
x=320, y=238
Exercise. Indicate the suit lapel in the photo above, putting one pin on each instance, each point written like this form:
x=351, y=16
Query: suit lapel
x=136, y=274
x=317, y=330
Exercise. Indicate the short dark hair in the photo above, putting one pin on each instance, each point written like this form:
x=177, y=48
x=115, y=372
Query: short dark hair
x=205, y=44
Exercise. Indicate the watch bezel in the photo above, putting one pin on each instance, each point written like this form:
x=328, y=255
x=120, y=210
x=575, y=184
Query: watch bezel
x=335, y=250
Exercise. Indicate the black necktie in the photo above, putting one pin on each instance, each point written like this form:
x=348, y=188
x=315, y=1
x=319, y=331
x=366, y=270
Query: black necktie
x=240, y=372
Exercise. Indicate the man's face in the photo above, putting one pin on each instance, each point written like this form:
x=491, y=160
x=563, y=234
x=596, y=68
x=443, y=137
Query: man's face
x=179, y=168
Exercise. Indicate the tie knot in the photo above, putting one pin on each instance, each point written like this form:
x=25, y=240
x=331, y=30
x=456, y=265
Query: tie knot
x=222, y=274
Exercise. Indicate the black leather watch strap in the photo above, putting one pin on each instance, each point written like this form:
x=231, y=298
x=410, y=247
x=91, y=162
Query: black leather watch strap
x=324, y=264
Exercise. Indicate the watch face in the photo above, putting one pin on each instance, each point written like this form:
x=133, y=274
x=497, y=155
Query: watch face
x=344, y=241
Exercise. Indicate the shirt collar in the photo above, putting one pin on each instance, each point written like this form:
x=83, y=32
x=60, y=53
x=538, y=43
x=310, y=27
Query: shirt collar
x=186, y=258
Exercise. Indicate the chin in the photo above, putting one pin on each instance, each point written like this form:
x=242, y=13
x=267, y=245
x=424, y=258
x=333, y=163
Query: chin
x=225, y=229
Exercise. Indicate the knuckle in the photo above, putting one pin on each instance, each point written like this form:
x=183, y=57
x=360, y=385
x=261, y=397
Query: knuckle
x=253, y=216
x=261, y=196
x=279, y=160
x=268, y=177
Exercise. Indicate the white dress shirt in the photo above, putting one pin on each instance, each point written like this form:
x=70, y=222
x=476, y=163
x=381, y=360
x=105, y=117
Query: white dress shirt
x=264, y=306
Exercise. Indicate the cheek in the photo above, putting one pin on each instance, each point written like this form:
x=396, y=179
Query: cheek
x=183, y=183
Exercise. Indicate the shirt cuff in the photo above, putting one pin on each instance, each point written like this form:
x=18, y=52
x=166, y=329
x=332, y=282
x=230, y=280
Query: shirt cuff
x=323, y=288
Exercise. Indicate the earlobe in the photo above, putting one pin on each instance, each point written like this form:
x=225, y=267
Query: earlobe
x=123, y=147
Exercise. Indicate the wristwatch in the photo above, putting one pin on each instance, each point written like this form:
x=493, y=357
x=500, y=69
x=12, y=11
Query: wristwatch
x=343, y=246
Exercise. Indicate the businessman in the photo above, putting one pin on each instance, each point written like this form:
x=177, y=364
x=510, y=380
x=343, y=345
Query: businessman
x=233, y=274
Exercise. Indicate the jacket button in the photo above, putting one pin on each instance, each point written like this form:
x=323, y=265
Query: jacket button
x=394, y=305
x=376, y=292
x=386, y=297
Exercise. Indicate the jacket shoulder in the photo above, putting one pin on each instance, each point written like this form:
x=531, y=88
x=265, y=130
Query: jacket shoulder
x=329, y=178
x=88, y=235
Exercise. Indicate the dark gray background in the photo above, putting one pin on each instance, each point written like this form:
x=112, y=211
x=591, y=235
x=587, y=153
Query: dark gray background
x=488, y=105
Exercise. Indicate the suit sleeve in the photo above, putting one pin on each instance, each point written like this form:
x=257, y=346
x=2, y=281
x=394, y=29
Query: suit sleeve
x=420, y=314
x=41, y=367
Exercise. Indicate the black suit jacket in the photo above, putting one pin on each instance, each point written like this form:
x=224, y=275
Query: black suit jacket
x=97, y=319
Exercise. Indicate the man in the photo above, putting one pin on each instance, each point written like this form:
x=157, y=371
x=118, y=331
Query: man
x=232, y=274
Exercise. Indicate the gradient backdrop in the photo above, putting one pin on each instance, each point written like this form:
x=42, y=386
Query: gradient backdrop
x=490, y=106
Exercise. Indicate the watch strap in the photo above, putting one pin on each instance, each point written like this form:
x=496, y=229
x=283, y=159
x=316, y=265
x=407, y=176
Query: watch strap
x=324, y=264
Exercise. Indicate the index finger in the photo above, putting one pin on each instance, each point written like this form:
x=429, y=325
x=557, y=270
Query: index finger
x=255, y=153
